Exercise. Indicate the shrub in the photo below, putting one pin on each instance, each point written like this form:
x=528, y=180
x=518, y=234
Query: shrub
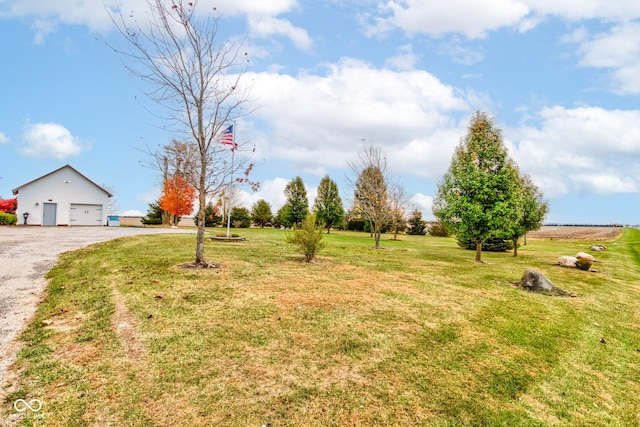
x=8, y=219
x=307, y=236
x=9, y=205
x=583, y=264
x=438, y=229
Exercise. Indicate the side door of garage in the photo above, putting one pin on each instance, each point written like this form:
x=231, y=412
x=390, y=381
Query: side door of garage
x=85, y=214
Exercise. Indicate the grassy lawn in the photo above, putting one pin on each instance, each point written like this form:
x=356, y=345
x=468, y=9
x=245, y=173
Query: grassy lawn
x=414, y=334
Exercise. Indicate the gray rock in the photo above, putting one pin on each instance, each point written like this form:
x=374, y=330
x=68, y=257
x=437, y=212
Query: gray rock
x=535, y=281
x=599, y=247
x=567, y=261
x=585, y=256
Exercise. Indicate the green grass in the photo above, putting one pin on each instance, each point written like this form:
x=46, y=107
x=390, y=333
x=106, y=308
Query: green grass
x=414, y=334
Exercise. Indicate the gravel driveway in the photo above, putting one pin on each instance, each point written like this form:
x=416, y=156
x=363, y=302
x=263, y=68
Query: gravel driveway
x=26, y=255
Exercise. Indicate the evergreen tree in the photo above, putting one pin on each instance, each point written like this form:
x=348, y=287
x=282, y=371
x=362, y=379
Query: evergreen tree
x=297, y=202
x=240, y=217
x=261, y=213
x=211, y=216
x=477, y=195
x=417, y=226
x=154, y=215
x=328, y=204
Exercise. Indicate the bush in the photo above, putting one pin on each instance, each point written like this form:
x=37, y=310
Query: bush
x=308, y=237
x=9, y=205
x=438, y=229
x=583, y=264
x=8, y=219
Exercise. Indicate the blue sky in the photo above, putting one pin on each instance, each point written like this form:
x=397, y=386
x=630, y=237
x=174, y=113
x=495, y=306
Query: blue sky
x=561, y=79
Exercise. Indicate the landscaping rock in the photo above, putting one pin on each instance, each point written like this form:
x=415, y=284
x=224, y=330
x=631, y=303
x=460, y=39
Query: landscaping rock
x=535, y=281
x=599, y=247
x=585, y=256
x=567, y=261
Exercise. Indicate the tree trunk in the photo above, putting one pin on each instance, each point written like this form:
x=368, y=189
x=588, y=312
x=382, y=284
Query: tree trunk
x=478, y=251
x=515, y=247
x=525, y=239
x=202, y=200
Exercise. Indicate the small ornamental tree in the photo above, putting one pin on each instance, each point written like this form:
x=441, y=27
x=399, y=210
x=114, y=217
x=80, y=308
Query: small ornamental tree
x=328, y=204
x=177, y=197
x=307, y=236
x=9, y=205
x=261, y=213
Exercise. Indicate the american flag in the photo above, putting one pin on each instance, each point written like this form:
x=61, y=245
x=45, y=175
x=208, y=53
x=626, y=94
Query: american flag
x=227, y=136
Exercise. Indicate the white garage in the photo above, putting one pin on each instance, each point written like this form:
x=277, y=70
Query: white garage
x=62, y=197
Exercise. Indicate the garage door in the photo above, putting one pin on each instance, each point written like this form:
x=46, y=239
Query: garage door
x=86, y=214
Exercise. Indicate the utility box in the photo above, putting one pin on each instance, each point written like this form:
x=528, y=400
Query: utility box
x=113, y=221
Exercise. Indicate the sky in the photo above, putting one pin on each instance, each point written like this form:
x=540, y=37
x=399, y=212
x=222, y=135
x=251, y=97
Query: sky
x=329, y=77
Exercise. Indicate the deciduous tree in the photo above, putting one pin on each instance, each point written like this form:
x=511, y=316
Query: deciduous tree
x=371, y=196
x=197, y=78
x=477, y=195
x=297, y=202
x=532, y=210
x=177, y=197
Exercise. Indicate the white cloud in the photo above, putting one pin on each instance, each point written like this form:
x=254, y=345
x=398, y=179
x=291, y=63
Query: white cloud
x=4, y=138
x=318, y=122
x=424, y=204
x=617, y=50
x=265, y=26
x=586, y=149
x=48, y=14
x=271, y=190
x=404, y=60
x=150, y=196
x=50, y=140
x=437, y=18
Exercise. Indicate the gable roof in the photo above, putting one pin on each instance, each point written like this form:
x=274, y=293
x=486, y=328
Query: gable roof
x=17, y=189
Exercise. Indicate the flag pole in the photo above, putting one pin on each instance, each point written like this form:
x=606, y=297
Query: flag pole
x=233, y=151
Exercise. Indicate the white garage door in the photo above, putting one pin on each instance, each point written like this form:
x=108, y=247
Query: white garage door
x=86, y=214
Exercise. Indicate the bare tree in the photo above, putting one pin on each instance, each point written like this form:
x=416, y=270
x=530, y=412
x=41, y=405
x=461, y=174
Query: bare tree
x=397, y=201
x=192, y=75
x=371, y=194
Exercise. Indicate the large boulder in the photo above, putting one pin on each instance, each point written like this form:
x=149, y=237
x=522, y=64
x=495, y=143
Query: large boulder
x=567, y=261
x=585, y=256
x=535, y=281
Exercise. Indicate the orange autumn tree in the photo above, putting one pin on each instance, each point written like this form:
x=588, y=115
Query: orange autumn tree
x=177, y=197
